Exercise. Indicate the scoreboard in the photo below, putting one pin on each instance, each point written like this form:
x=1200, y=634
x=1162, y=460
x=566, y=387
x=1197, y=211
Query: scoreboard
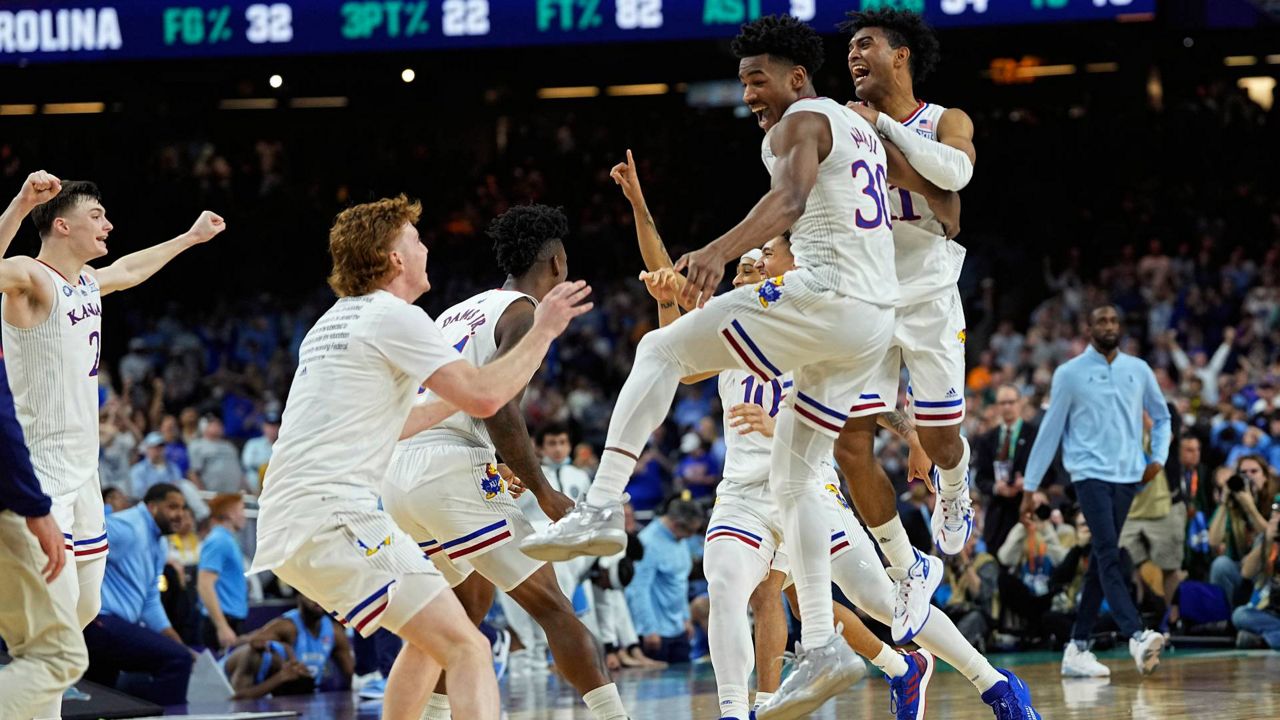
x=62, y=30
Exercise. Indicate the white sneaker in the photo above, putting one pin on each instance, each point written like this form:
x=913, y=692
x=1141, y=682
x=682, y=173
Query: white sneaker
x=1077, y=663
x=913, y=589
x=952, y=522
x=1145, y=650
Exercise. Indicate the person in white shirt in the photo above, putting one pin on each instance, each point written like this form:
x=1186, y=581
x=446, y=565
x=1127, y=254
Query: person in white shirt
x=360, y=367
x=257, y=451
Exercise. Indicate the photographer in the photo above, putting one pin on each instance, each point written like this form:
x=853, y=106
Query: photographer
x=971, y=585
x=1237, y=521
x=1261, y=616
x=1030, y=553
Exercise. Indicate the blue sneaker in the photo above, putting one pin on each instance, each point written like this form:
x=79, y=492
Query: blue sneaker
x=374, y=689
x=907, y=693
x=501, y=653
x=1010, y=699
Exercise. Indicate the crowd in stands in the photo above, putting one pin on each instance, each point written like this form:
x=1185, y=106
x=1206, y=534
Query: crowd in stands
x=191, y=401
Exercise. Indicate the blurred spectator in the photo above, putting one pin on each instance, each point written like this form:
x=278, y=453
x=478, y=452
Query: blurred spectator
x=1156, y=528
x=132, y=634
x=697, y=471
x=224, y=596
x=215, y=463
x=298, y=653
x=1238, y=520
x=118, y=437
x=1261, y=615
x=175, y=449
x=154, y=468
x=1196, y=494
x=971, y=589
x=1001, y=456
x=114, y=500
x=659, y=594
x=1200, y=365
x=257, y=451
x=651, y=481
x=1031, y=551
x=179, y=594
x=135, y=366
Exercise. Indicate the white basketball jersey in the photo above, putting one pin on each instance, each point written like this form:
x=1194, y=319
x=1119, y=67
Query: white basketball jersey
x=746, y=458
x=844, y=238
x=928, y=263
x=469, y=328
x=53, y=371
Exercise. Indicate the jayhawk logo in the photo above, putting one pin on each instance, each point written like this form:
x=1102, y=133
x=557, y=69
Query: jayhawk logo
x=371, y=551
x=492, y=483
x=839, y=495
x=769, y=291
x=963, y=335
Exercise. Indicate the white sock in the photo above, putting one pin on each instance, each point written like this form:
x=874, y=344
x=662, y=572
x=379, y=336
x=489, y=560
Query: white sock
x=761, y=698
x=733, y=702
x=890, y=661
x=437, y=708
x=955, y=481
x=894, y=543
x=605, y=703
x=605, y=490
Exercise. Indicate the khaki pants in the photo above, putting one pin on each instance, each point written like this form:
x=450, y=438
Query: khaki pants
x=38, y=622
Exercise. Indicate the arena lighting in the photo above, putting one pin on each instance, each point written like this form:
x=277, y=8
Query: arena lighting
x=304, y=103
x=1239, y=60
x=1035, y=71
x=275, y=81
x=561, y=93
x=632, y=90
x=1261, y=90
x=73, y=108
x=408, y=75
x=1102, y=67
x=1273, y=59
x=17, y=109
x=248, y=104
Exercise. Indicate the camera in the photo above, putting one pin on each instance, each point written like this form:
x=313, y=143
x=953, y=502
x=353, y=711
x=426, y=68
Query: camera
x=1235, y=483
x=1043, y=512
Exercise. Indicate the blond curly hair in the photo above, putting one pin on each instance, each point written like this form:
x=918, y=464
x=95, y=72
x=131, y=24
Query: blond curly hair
x=360, y=243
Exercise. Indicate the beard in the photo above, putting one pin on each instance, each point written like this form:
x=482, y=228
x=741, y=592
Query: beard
x=1106, y=344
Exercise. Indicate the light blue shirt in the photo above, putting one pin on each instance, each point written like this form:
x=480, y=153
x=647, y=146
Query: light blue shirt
x=220, y=554
x=144, y=474
x=658, y=595
x=131, y=585
x=1095, y=411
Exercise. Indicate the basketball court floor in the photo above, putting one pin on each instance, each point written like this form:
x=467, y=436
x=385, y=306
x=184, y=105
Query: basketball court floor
x=1204, y=685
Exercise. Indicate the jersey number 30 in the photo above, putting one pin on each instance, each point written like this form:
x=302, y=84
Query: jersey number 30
x=877, y=190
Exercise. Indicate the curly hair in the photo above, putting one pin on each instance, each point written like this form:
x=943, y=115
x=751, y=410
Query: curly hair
x=522, y=235
x=360, y=243
x=781, y=36
x=901, y=28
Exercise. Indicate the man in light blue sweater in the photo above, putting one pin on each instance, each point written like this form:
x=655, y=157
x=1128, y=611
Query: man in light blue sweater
x=1095, y=411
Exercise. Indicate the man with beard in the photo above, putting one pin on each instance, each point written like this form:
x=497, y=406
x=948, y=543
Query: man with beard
x=1095, y=410
x=132, y=634
x=297, y=653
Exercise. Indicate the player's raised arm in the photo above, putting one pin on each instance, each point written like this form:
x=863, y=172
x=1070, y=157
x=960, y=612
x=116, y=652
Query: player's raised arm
x=482, y=391
x=948, y=162
x=38, y=188
x=800, y=142
x=652, y=249
x=944, y=203
x=135, y=268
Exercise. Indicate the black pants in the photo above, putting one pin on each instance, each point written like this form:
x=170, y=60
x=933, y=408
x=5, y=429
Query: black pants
x=209, y=632
x=674, y=650
x=117, y=646
x=1106, y=506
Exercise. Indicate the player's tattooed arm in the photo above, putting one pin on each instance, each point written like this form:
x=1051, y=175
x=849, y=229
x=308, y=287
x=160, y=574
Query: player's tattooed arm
x=918, y=462
x=897, y=422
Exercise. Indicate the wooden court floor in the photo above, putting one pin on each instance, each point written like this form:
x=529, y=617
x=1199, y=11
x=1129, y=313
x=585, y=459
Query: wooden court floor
x=1220, y=685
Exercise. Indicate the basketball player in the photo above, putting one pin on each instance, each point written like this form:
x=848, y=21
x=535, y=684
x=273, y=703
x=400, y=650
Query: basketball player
x=828, y=322
x=52, y=330
x=889, y=51
x=319, y=526
x=444, y=489
x=43, y=636
x=742, y=549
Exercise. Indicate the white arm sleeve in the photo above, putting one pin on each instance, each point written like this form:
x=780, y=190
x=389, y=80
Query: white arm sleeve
x=940, y=164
